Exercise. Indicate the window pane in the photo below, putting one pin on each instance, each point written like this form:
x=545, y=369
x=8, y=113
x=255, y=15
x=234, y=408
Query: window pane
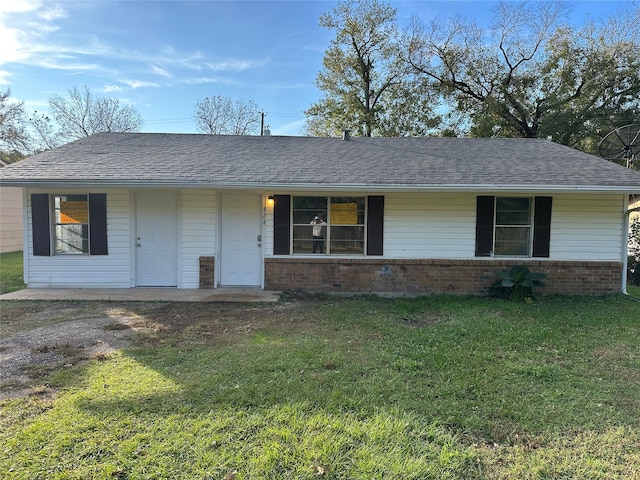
x=347, y=240
x=72, y=239
x=512, y=241
x=306, y=208
x=303, y=241
x=71, y=218
x=513, y=211
x=71, y=209
x=347, y=210
x=328, y=225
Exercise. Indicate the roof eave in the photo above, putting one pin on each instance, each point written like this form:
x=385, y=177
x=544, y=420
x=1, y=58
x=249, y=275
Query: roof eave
x=294, y=186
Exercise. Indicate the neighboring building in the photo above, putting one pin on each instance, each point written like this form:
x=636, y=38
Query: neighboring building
x=11, y=232
x=409, y=215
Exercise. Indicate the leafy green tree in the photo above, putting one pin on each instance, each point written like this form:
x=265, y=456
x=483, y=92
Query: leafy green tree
x=367, y=87
x=533, y=76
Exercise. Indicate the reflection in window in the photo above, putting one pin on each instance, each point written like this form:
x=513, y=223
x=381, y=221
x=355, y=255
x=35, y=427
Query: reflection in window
x=71, y=224
x=329, y=225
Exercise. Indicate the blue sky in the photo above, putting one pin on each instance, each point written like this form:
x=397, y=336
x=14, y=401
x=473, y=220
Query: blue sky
x=162, y=56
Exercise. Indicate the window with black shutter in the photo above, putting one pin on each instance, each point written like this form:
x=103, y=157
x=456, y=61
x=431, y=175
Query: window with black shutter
x=329, y=225
x=69, y=224
x=513, y=226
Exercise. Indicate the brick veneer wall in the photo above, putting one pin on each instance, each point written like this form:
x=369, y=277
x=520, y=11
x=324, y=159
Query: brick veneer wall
x=433, y=276
x=207, y=272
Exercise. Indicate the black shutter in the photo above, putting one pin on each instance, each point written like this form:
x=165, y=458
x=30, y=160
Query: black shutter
x=281, y=225
x=375, y=225
x=40, y=224
x=542, y=226
x=98, y=224
x=484, y=225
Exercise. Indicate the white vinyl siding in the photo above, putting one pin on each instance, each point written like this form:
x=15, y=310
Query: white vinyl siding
x=433, y=225
x=587, y=227
x=583, y=227
x=198, y=233
x=268, y=226
x=86, y=271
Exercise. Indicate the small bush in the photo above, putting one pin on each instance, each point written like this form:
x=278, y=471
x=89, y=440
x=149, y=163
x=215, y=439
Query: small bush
x=519, y=283
x=634, y=240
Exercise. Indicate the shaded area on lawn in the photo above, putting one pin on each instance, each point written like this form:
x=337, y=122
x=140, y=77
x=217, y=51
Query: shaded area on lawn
x=437, y=387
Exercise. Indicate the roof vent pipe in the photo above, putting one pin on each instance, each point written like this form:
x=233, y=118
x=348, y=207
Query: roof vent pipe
x=346, y=134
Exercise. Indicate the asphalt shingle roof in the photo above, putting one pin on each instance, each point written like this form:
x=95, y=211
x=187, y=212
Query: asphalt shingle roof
x=277, y=162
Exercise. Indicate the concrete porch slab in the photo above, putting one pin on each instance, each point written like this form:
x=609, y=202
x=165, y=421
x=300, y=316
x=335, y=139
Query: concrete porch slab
x=226, y=294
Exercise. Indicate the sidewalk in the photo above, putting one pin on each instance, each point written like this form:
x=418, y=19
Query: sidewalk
x=226, y=294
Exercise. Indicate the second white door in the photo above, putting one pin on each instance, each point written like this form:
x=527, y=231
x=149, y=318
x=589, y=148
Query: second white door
x=156, y=240
x=241, y=242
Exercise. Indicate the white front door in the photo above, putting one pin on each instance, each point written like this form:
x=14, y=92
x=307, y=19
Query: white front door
x=156, y=240
x=240, y=246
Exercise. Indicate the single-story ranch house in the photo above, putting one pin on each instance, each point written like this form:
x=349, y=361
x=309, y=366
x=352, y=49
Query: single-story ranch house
x=408, y=215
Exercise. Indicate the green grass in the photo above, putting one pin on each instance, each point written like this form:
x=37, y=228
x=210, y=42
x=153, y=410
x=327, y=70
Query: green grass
x=357, y=388
x=633, y=290
x=11, y=272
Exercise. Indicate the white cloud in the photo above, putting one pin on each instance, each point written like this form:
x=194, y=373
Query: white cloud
x=17, y=6
x=112, y=88
x=22, y=24
x=203, y=80
x=13, y=43
x=4, y=77
x=52, y=13
x=63, y=65
x=139, y=83
x=160, y=71
x=235, y=65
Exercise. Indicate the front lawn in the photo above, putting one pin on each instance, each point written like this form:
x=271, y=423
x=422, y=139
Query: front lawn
x=11, y=268
x=342, y=388
x=633, y=290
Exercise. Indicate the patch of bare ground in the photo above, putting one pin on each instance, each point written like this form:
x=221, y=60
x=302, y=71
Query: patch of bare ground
x=40, y=337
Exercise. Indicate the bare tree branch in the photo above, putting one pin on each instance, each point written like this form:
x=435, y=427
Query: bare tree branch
x=219, y=115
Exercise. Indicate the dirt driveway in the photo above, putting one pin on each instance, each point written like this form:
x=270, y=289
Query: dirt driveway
x=39, y=337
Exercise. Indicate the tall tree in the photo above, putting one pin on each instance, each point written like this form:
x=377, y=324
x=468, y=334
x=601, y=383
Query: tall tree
x=219, y=115
x=80, y=114
x=13, y=136
x=367, y=88
x=533, y=76
x=45, y=135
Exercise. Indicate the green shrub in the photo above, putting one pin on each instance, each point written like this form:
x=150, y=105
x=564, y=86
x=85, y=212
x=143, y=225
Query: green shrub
x=634, y=239
x=519, y=283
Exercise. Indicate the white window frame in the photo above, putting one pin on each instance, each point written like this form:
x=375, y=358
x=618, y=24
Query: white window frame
x=361, y=200
x=57, y=226
x=529, y=226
